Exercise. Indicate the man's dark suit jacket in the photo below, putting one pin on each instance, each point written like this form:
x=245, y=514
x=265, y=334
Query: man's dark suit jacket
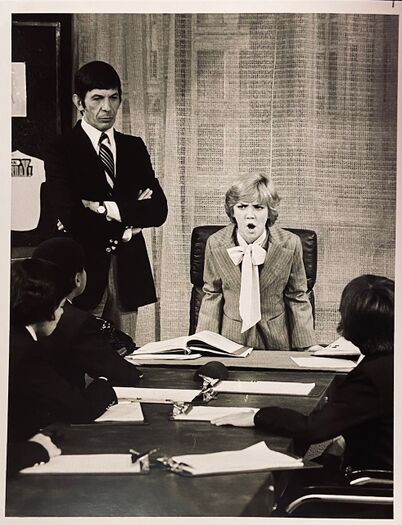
x=74, y=172
x=77, y=346
x=360, y=409
x=39, y=396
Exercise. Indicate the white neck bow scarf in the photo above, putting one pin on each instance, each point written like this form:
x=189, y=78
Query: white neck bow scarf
x=252, y=255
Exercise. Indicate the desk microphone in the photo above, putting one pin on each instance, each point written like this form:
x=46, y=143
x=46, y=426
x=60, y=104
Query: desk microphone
x=213, y=369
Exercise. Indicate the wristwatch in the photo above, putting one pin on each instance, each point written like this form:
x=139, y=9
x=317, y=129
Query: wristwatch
x=101, y=209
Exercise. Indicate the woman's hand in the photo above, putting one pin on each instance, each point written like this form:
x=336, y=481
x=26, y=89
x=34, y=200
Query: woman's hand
x=241, y=419
x=313, y=348
x=46, y=443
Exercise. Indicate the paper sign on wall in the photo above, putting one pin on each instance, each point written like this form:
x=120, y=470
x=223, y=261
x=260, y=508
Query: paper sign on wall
x=18, y=90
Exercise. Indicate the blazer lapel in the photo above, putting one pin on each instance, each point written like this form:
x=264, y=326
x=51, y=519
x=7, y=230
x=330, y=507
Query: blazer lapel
x=232, y=271
x=276, y=259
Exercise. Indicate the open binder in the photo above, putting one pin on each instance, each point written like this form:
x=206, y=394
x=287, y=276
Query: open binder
x=254, y=458
x=201, y=344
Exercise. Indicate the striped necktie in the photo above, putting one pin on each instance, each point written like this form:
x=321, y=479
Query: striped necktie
x=106, y=156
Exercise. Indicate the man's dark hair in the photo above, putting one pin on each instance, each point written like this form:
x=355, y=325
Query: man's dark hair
x=66, y=253
x=367, y=313
x=96, y=75
x=37, y=289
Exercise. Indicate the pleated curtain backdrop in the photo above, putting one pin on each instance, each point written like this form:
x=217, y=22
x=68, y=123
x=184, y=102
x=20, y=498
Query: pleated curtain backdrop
x=308, y=98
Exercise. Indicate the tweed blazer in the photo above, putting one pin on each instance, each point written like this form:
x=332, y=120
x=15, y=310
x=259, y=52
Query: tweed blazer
x=74, y=172
x=286, y=314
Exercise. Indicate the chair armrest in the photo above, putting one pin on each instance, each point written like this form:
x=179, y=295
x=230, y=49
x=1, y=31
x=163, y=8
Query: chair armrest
x=341, y=495
x=370, y=477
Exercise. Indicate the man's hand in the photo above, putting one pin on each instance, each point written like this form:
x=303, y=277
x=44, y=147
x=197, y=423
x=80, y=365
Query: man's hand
x=313, y=348
x=60, y=226
x=92, y=205
x=146, y=194
x=241, y=419
x=129, y=232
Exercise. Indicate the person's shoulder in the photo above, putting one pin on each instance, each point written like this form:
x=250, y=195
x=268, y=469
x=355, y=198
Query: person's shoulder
x=72, y=320
x=377, y=364
x=221, y=236
x=126, y=138
x=283, y=236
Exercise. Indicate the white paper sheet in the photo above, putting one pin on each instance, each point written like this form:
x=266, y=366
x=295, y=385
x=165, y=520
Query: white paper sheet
x=205, y=413
x=155, y=395
x=324, y=363
x=124, y=411
x=86, y=463
x=256, y=457
x=265, y=387
x=340, y=347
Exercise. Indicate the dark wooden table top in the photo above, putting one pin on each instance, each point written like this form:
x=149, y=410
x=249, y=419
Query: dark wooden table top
x=162, y=493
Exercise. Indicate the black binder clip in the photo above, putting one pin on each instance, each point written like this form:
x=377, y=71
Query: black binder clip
x=207, y=392
x=180, y=407
x=208, y=382
x=142, y=458
x=175, y=466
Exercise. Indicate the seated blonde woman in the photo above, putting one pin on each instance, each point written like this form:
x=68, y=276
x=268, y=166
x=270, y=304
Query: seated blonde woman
x=255, y=282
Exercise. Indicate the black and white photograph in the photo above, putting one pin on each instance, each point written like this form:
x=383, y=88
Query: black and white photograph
x=200, y=260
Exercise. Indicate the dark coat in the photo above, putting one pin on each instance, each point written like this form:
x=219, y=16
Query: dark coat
x=39, y=396
x=78, y=347
x=360, y=408
x=74, y=172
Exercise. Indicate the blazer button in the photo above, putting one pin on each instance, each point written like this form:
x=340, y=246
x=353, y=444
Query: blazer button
x=108, y=250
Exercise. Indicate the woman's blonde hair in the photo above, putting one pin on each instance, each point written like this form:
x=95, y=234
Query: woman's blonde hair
x=253, y=188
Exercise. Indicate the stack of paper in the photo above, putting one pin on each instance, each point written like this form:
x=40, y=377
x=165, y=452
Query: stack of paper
x=86, y=464
x=341, y=347
x=155, y=395
x=206, y=413
x=127, y=411
x=265, y=387
x=256, y=457
x=324, y=363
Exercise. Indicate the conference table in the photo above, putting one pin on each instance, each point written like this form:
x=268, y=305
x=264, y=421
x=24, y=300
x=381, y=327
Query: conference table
x=161, y=492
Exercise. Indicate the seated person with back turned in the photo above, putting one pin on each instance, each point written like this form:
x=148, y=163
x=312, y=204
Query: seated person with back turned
x=360, y=408
x=38, y=395
x=255, y=282
x=77, y=346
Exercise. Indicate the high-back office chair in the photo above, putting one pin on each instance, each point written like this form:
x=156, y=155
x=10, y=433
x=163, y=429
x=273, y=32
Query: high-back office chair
x=198, y=241
x=366, y=494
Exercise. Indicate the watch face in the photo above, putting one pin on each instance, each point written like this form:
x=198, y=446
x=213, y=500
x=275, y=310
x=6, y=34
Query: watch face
x=101, y=209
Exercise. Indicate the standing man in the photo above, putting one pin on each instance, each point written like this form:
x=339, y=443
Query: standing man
x=104, y=191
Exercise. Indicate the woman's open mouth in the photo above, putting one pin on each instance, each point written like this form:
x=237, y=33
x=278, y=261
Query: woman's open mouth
x=250, y=226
